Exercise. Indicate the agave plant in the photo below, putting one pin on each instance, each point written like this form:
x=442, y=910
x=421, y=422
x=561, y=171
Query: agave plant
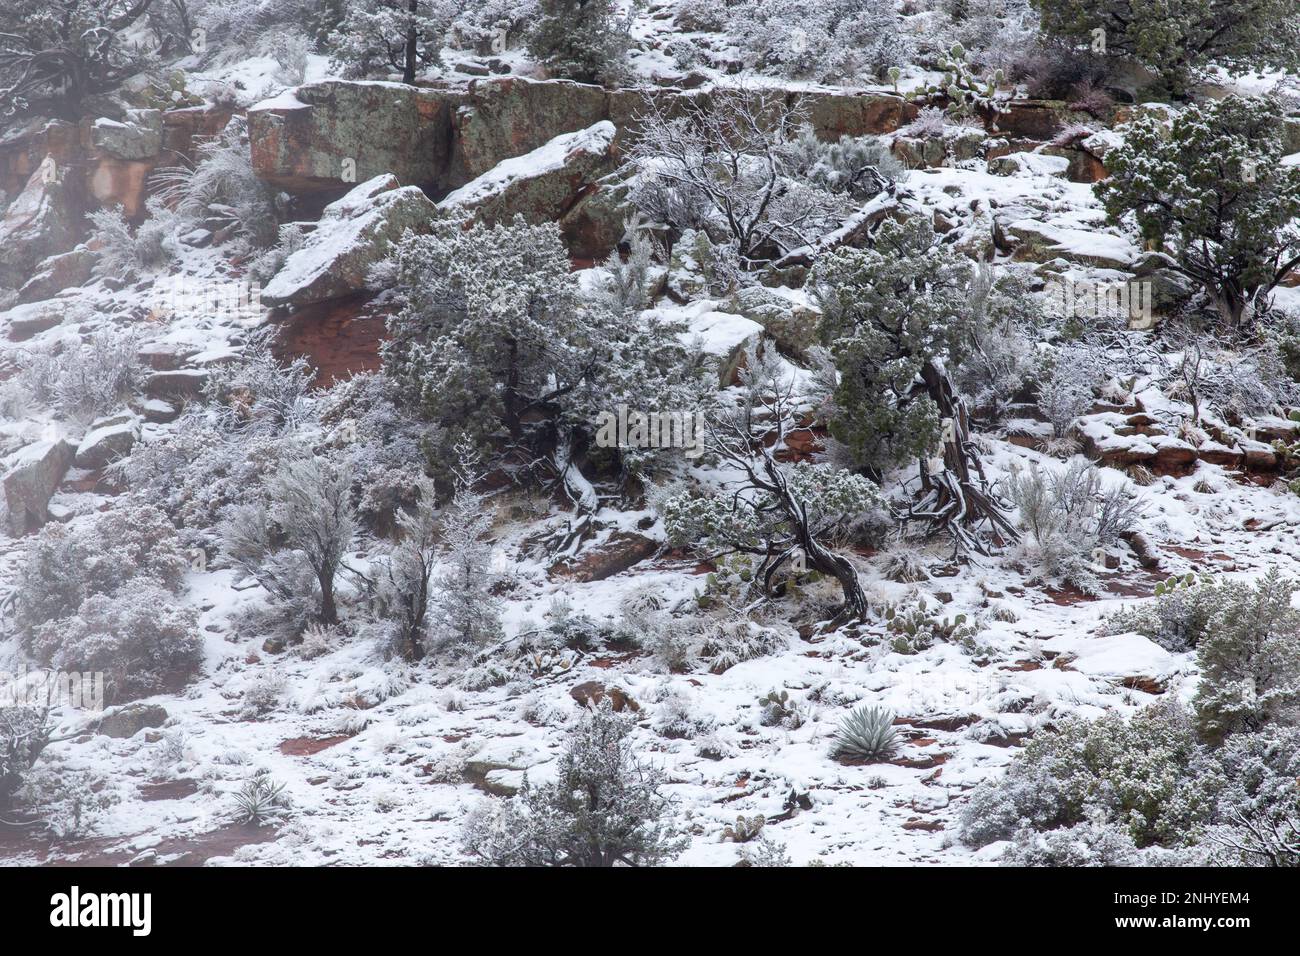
x=866, y=734
x=260, y=800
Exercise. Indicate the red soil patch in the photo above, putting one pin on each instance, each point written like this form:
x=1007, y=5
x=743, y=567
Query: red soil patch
x=306, y=746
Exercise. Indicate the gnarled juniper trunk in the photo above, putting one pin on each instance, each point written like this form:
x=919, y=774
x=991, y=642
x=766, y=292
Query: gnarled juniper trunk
x=957, y=497
x=817, y=555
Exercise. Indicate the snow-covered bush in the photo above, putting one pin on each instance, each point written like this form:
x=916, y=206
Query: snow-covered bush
x=141, y=640
x=1179, y=615
x=491, y=26
x=1066, y=388
x=1259, y=808
x=1067, y=515
x=1003, y=358
x=122, y=252
x=857, y=165
x=260, y=800
x=258, y=394
x=605, y=808
x=24, y=733
x=835, y=40
x=734, y=164
x=1249, y=658
x=1212, y=188
x=1148, y=775
x=290, y=50
x=63, y=565
x=1084, y=844
x=293, y=542
x=584, y=40
x=1179, y=41
x=84, y=380
x=68, y=801
x=381, y=36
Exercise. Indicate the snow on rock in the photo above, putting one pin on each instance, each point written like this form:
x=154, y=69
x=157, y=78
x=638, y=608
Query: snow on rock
x=354, y=233
x=39, y=223
x=540, y=185
x=30, y=476
x=1043, y=241
x=108, y=440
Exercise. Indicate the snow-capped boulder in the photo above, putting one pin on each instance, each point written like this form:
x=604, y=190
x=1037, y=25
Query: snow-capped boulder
x=353, y=234
x=594, y=225
x=325, y=135
x=125, y=722
x=108, y=440
x=57, y=273
x=1041, y=242
x=31, y=475
x=31, y=318
x=138, y=138
x=39, y=223
x=540, y=185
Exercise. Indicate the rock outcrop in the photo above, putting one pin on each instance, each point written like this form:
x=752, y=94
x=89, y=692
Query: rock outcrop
x=31, y=475
x=39, y=223
x=541, y=185
x=353, y=234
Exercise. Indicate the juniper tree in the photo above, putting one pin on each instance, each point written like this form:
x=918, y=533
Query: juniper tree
x=786, y=517
x=895, y=317
x=604, y=808
x=1212, y=189
x=401, y=35
x=585, y=40
x=66, y=51
x=1178, y=39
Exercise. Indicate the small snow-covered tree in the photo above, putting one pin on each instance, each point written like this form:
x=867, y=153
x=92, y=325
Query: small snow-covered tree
x=738, y=166
x=834, y=40
x=895, y=317
x=1249, y=658
x=467, y=613
x=67, y=51
x=1212, y=188
x=585, y=40
x=788, y=518
x=24, y=733
x=605, y=808
x=403, y=35
x=1178, y=39
x=296, y=538
x=401, y=578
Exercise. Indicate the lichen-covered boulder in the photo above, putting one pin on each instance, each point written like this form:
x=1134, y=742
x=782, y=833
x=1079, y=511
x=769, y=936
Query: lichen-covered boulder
x=540, y=185
x=39, y=223
x=353, y=234
x=30, y=476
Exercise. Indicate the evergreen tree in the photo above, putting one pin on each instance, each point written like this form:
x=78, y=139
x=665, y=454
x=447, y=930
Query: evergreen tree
x=403, y=35
x=1178, y=39
x=1213, y=190
x=583, y=40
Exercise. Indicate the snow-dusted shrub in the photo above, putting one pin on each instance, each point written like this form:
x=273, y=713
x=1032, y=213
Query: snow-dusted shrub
x=465, y=612
x=724, y=644
x=678, y=717
x=382, y=36
x=1084, y=844
x=1148, y=775
x=24, y=732
x=1065, y=389
x=834, y=40
x=491, y=26
x=67, y=801
x=289, y=238
x=1179, y=42
x=867, y=734
x=263, y=694
x=1249, y=658
x=258, y=394
x=584, y=40
x=260, y=800
x=83, y=381
x=779, y=709
x=1067, y=515
x=860, y=166
x=293, y=543
x=1235, y=384
x=1212, y=188
x=1181, y=612
x=604, y=808
x=125, y=253
x=1003, y=358
x=998, y=33
x=290, y=50
x=1259, y=808
x=222, y=185
x=63, y=565
x=142, y=640
x=734, y=163
x=624, y=284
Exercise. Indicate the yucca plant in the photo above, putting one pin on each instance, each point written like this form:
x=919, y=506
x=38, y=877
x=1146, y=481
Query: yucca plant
x=866, y=734
x=260, y=800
